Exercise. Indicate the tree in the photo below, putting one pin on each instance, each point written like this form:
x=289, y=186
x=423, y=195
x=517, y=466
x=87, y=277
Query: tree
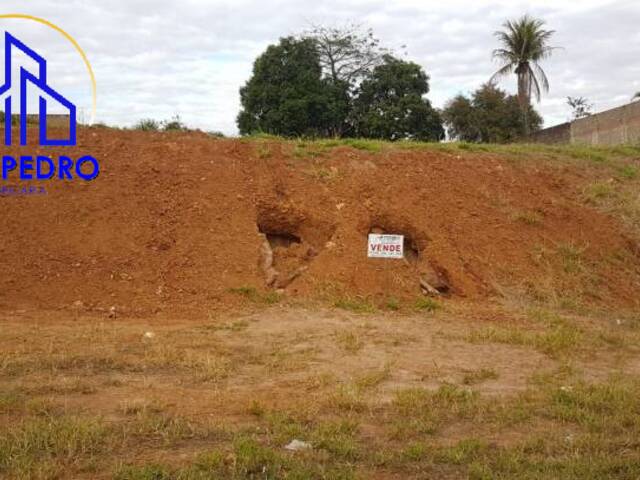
x=490, y=116
x=347, y=55
x=286, y=94
x=636, y=96
x=390, y=103
x=580, y=107
x=461, y=119
x=524, y=44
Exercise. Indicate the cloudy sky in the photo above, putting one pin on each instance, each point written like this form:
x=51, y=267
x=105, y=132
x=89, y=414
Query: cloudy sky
x=159, y=58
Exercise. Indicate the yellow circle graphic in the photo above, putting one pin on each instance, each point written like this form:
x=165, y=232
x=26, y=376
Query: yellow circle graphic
x=73, y=42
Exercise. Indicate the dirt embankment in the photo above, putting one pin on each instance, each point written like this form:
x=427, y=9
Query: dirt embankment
x=177, y=220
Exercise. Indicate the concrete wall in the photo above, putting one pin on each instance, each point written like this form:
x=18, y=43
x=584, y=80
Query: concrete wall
x=556, y=134
x=611, y=127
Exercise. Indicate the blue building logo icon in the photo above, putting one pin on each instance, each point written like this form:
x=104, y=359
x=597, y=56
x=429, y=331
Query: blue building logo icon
x=29, y=81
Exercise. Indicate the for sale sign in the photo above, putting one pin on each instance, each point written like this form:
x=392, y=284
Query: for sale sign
x=385, y=246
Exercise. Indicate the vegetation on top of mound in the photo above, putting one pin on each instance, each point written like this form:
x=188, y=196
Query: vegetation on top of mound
x=171, y=125
x=489, y=116
x=339, y=84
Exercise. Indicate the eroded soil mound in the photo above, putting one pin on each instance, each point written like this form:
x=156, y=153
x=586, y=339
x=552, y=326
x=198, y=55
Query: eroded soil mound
x=184, y=220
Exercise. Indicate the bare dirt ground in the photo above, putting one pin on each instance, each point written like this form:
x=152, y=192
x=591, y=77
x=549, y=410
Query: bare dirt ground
x=177, y=221
x=140, y=338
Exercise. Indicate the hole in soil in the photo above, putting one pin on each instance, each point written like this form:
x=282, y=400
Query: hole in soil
x=411, y=252
x=283, y=253
x=442, y=284
x=279, y=239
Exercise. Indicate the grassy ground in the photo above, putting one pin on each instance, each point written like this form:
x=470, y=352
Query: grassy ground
x=453, y=391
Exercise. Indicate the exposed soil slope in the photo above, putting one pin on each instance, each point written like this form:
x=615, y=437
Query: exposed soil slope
x=177, y=220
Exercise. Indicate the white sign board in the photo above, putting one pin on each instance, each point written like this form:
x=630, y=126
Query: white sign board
x=385, y=246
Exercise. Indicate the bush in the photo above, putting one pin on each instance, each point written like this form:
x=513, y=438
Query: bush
x=147, y=125
x=175, y=124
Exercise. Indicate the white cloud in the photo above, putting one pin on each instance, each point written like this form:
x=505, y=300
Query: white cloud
x=158, y=58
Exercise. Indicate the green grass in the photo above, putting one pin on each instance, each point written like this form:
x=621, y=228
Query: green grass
x=464, y=452
x=596, y=155
x=628, y=172
x=426, y=304
x=252, y=294
x=249, y=459
x=355, y=304
x=392, y=304
x=311, y=150
x=40, y=446
x=598, y=191
x=436, y=405
x=560, y=338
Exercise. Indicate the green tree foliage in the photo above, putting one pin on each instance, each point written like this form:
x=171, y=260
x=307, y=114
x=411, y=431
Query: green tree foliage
x=286, y=94
x=524, y=43
x=490, y=116
x=391, y=104
x=336, y=83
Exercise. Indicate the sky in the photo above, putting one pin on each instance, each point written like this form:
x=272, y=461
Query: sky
x=160, y=58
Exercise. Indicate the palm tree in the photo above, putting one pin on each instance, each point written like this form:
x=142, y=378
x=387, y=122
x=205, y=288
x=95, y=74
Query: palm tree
x=524, y=43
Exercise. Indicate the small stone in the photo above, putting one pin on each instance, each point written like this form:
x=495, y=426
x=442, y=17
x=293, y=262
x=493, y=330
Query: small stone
x=295, y=445
x=149, y=334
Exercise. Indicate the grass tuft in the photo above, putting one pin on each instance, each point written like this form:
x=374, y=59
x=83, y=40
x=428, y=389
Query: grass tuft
x=426, y=304
x=355, y=304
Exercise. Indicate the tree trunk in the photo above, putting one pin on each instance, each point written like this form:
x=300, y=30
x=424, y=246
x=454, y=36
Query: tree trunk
x=524, y=93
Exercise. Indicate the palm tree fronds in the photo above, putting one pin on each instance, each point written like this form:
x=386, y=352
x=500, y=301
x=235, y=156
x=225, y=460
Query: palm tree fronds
x=502, y=72
x=533, y=83
x=541, y=76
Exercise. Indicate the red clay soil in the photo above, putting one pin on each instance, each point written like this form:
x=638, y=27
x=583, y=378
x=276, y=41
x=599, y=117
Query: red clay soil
x=174, y=220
